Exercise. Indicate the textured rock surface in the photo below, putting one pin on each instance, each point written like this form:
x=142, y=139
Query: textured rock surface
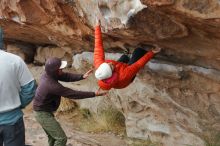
x=43, y=53
x=189, y=30
x=26, y=52
x=174, y=101
x=172, y=104
x=169, y=103
x=36, y=136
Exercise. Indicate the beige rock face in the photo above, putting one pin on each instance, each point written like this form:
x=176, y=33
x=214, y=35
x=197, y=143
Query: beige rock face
x=16, y=50
x=188, y=30
x=43, y=53
x=173, y=104
x=26, y=52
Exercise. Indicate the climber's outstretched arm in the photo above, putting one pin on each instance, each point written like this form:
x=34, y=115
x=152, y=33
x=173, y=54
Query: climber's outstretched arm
x=99, y=56
x=134, y=68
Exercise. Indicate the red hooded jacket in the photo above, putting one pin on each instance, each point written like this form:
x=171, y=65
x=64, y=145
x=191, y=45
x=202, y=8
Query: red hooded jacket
x=124, y=72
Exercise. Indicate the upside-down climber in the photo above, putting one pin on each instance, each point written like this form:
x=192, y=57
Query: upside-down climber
x=118, y=74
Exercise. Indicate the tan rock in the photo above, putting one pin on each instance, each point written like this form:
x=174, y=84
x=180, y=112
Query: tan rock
x=43, y=53
x=187, y=30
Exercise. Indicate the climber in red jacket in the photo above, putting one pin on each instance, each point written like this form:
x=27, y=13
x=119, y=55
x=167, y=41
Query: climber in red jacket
x=118, y=74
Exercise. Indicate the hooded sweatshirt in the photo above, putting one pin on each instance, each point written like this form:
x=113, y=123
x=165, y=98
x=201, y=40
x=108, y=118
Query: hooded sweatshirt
x=49, y=91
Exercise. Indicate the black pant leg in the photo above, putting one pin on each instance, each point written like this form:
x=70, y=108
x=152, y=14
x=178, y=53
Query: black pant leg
x=124, y=59
x=136, y=55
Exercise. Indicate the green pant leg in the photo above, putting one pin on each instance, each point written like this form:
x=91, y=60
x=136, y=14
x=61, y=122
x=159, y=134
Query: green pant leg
x=52, y=128
x=50, y=139
x=40, y=119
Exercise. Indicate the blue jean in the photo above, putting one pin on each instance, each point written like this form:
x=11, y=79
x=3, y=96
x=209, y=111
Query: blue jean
x=13, y=135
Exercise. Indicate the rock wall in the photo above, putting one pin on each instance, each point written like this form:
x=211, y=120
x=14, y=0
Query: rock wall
x=175, y=100
x=173, y=104
x=188, y=30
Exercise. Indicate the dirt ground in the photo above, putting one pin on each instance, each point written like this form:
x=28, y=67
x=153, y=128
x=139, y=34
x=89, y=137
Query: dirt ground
x=35, y=135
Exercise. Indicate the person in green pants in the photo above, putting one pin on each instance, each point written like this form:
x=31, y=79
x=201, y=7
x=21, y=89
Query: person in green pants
x=48, y=96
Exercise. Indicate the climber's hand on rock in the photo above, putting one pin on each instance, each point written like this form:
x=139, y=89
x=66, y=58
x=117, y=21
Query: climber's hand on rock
x=98, y=21
x=156, y=50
